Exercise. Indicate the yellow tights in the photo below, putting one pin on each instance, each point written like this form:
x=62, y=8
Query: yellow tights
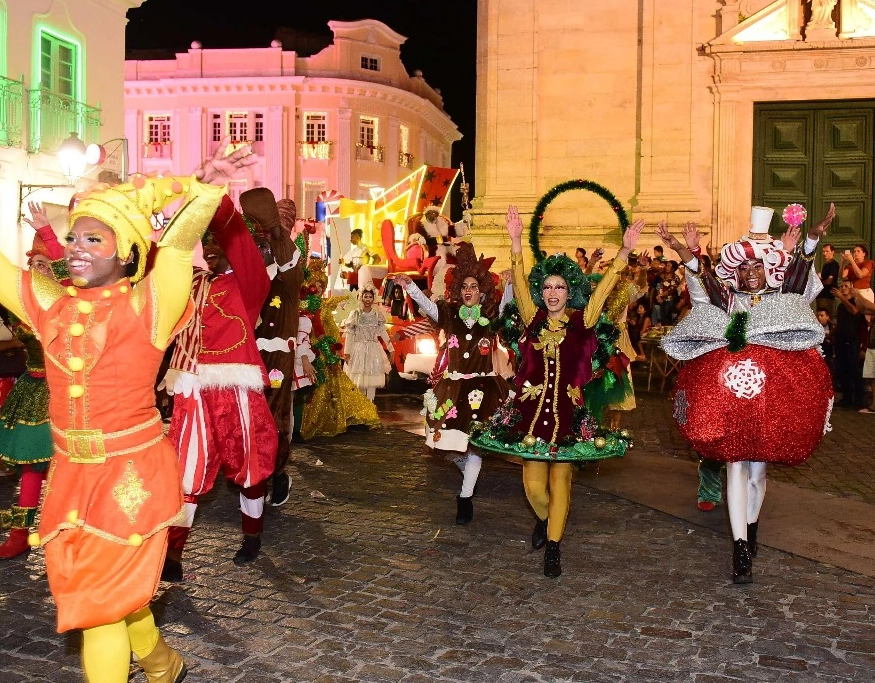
x=106, y=650
x=548, y=490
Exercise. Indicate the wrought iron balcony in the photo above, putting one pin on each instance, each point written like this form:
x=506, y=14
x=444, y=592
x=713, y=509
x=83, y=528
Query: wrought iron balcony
x=158, y=150
x=53, y=116
x=369, y=152
x=405, y=159
x=11, y=112
x=319, y=149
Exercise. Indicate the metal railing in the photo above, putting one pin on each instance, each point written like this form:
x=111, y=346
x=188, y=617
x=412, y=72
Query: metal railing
x=158, y=150
x=369, y=152
x=316, y=150
x=11, y=111
x=405, y=159
x=53, y=117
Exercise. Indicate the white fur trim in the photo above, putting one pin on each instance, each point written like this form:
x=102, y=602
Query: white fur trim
x=275, y=344
x=230, y=375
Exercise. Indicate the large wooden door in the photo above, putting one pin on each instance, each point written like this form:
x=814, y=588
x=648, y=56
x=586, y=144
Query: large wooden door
x=815, y=153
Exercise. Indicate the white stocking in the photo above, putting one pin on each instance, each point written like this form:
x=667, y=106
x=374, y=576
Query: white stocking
x=737, y=486
x=470, y=474
x=370, y=392
x=460, y=462
x=756, y=491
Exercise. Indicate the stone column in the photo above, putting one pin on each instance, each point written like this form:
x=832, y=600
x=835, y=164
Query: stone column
x=727, y=216
x=665, y=182
x=194, y=150
x=134, y=134
x=391, y=159
x=274, y=146
x=344, y=151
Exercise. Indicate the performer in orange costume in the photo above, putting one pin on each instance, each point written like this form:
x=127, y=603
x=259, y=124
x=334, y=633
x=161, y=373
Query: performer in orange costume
x=113, y=487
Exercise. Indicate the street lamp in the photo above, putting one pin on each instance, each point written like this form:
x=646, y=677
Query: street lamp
x=74, y=156
x=71, y=156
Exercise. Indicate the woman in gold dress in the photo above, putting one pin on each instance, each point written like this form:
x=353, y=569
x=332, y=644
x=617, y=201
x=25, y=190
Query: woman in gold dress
x=336, y=403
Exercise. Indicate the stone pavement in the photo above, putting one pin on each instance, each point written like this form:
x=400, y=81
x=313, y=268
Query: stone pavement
x=365, y=577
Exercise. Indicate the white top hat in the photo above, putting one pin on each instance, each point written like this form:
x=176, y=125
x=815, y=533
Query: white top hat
x=760, y=218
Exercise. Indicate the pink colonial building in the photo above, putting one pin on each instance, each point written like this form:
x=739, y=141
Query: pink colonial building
x=346, y=119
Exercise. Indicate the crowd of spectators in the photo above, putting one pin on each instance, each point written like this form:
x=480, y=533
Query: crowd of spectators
x=845, y=308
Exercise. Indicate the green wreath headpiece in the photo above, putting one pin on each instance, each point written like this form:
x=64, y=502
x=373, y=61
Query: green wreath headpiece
x=578, y=284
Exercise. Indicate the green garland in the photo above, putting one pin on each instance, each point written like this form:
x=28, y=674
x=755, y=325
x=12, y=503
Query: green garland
x=326, y=352
x=509, y=327
x=736, y=332
x=588, y=185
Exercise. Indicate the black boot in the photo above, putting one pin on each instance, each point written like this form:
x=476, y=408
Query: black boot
x=741, y=563
x=172, y=570
x=752, y=539
x=552, y=555
x=539, y=535
x=249, y=550
x=464, y=510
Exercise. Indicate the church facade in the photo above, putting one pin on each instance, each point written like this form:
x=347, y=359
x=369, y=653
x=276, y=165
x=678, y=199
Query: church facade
x=685, y=110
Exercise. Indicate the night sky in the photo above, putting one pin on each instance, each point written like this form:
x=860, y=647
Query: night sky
x=441, y=40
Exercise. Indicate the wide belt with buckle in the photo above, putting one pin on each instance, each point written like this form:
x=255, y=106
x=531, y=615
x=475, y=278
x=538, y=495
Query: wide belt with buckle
x=94, y=446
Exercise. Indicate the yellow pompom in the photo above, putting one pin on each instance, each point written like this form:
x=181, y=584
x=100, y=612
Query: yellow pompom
x=77, y=391
x=135, y=540
x=73, y=516
x=72, y=291
x=76, y=364
x=33, y=540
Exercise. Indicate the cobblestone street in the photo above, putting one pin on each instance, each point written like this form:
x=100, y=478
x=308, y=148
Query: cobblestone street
x=364, y=576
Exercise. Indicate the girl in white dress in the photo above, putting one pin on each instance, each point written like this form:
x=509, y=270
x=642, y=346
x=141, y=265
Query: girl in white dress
x=366, y=359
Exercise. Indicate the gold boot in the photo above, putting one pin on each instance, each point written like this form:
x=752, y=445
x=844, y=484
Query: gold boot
x=163, y=664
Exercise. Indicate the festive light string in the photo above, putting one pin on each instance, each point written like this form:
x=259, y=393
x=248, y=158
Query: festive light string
x=545, y=201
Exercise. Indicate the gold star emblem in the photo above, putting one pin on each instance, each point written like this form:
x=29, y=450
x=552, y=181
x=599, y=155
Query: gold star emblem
x=275, y=302
x=129, y=493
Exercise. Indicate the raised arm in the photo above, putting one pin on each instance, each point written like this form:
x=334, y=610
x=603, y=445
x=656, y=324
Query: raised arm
x=231, y=234
x=40, y=222
x=10, y=279
x=425, y=304
x=609, y=280
x=520, y=282
x=171, y=274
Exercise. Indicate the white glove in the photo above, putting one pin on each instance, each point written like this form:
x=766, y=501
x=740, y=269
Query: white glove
x=179, y=382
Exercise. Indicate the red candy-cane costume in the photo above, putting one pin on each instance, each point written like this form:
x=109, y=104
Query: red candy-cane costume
x=220, y=416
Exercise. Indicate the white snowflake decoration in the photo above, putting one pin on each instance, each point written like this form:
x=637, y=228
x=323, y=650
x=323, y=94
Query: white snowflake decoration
x=680, y=407
x=827, y=427
x=745, y=379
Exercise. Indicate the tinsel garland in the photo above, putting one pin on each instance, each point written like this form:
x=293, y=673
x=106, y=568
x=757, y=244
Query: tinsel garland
x=325, y=348
x=544, y=202
x=736, y=332
x=509, y=327
x=319, y=368
x=311, y=303
x=605, y=387
x=588, y=442
x=59, y=270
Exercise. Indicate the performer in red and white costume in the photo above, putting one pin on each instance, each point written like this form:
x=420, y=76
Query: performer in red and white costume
x=749, y=339
x=221, y=418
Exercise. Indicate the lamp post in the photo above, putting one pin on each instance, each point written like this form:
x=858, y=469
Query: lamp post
x=74, y=156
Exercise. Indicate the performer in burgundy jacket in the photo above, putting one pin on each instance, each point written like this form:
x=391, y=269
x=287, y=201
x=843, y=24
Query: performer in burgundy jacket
x=221, y=418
